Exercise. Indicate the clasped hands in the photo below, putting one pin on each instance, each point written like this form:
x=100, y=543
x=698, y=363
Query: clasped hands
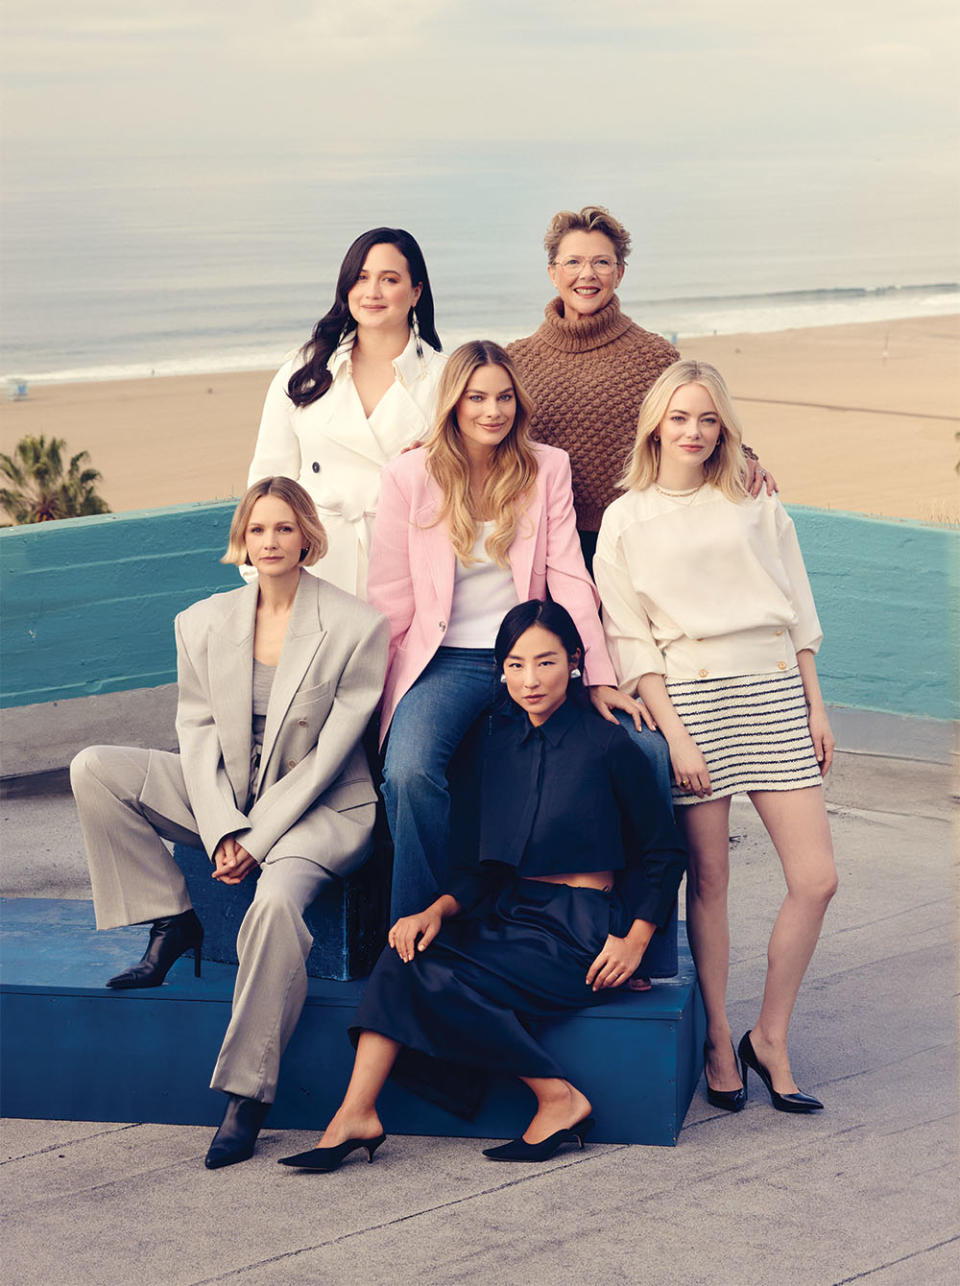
x=231, y=861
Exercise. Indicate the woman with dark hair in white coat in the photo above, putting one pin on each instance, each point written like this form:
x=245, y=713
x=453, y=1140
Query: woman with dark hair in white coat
x=361, y=389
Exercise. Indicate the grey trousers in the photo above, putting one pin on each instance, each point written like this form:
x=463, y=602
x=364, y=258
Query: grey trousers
x=135, y=880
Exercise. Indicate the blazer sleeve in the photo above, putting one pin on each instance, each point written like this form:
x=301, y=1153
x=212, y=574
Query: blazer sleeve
x=568, y=580
x=211, y=796
x=359, y=686
x=633, y=648
x=656, y=856
x=389, y=580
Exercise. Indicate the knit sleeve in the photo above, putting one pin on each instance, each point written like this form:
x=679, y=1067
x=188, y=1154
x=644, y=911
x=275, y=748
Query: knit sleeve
x=630, y=640
x=806, y=633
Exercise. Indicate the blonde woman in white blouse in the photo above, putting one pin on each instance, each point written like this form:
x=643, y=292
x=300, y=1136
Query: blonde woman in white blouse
x=361, y=389
x=709, y=617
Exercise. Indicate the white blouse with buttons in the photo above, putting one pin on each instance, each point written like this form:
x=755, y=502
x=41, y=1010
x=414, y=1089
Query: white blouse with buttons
x=702, y=588
x=335, y=451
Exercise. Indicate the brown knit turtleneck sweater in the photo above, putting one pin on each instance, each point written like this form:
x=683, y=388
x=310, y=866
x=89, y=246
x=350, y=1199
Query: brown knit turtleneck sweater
x=587, y=378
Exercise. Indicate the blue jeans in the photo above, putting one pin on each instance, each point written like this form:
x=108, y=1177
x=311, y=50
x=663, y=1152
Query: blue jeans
x=654, y=746
x=429, y=723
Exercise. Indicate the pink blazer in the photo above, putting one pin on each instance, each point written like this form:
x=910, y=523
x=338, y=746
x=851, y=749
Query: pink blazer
x=412, y=565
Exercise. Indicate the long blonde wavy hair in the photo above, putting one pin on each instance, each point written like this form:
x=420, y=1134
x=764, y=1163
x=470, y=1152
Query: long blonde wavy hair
x=513, y=467
x=726, y=467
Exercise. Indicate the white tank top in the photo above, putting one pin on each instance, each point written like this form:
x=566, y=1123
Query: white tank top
x=483, y=593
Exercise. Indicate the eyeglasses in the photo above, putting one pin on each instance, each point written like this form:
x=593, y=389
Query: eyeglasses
x=602, y=265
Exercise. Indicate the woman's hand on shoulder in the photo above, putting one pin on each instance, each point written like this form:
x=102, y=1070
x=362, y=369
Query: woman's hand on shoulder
x=757, y=477
x=689, y=766
x=606, y=699
x=822, y=736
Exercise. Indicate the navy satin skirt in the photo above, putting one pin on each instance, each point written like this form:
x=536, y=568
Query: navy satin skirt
x=461, y=1008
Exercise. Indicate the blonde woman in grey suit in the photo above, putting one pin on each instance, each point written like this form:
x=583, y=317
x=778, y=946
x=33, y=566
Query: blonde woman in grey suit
x=277, y=681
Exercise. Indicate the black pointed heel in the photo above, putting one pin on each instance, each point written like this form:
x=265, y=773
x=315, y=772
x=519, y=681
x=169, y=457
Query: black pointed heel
x=729, y=1100
x=798, y=1102
x=234, y=1141
x=520, y=1150
x=170, y=938
x=326, y=1160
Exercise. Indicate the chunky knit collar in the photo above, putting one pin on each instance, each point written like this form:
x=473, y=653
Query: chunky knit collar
x=587, y=333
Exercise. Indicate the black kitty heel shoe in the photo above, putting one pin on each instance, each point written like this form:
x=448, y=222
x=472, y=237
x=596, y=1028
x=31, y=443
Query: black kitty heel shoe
x=782, y=1102
x=520, y=1150
x=326, y=1160
x=170, y=939
x=729, y=1100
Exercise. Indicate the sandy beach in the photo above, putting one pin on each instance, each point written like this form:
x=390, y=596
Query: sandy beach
x=860, y=418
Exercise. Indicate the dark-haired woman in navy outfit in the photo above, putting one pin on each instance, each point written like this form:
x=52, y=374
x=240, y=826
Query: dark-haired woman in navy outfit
x=580, y=861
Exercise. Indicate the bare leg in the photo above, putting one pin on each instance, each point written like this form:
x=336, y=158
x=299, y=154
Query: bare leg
x=707, y=827
x=356, y=1117
x=559, y=1106
x=797, y=823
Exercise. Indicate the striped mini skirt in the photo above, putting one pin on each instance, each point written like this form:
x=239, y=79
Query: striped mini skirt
x=751, y=729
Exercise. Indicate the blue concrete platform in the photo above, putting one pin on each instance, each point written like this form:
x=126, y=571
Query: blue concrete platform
x=348, y=920
x=72, y=1050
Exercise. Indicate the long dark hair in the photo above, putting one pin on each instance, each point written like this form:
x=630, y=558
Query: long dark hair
x=313, y=379
x=552, y=617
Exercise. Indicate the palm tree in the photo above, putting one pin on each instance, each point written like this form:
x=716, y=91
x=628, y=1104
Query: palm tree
x=41, y=492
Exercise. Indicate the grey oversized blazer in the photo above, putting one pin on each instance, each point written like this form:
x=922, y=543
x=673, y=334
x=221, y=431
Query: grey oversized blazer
x=327, y=684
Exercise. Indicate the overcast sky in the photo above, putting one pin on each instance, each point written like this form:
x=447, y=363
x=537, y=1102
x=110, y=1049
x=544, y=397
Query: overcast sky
x=123, y=76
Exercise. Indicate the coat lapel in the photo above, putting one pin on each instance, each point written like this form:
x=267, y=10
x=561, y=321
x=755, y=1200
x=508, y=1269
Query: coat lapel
x=303, y=638
x=231, y=688
x=353, y=431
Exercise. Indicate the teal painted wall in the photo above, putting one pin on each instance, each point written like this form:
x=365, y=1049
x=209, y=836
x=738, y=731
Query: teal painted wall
x=886, y=596
x=88, y=604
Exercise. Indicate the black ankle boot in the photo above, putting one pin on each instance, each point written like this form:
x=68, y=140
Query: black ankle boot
x=237, y=1135
x=169, y=940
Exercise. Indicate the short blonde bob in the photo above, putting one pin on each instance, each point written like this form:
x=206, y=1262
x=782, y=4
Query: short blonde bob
x=513, y=469
x=592, y=218
x=726, y=467
x=304, y=510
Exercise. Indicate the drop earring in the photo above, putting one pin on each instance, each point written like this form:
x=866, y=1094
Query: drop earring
x=503, y=678
x=415, y=327
x=575, y=672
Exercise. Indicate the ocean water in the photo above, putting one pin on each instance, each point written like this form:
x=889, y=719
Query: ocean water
x=205, y=263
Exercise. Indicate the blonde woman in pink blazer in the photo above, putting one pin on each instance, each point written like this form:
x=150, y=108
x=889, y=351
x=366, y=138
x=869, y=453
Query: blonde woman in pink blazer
x=479, y=519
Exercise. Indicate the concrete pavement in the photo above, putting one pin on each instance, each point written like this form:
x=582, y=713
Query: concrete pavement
x=865, y=1191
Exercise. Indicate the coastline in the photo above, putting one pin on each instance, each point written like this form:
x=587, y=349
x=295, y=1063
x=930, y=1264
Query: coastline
x=859, y=417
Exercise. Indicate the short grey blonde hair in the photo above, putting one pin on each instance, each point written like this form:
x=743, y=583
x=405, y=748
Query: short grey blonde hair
x=304, y=510
x=727, y=465
x=592, y=218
